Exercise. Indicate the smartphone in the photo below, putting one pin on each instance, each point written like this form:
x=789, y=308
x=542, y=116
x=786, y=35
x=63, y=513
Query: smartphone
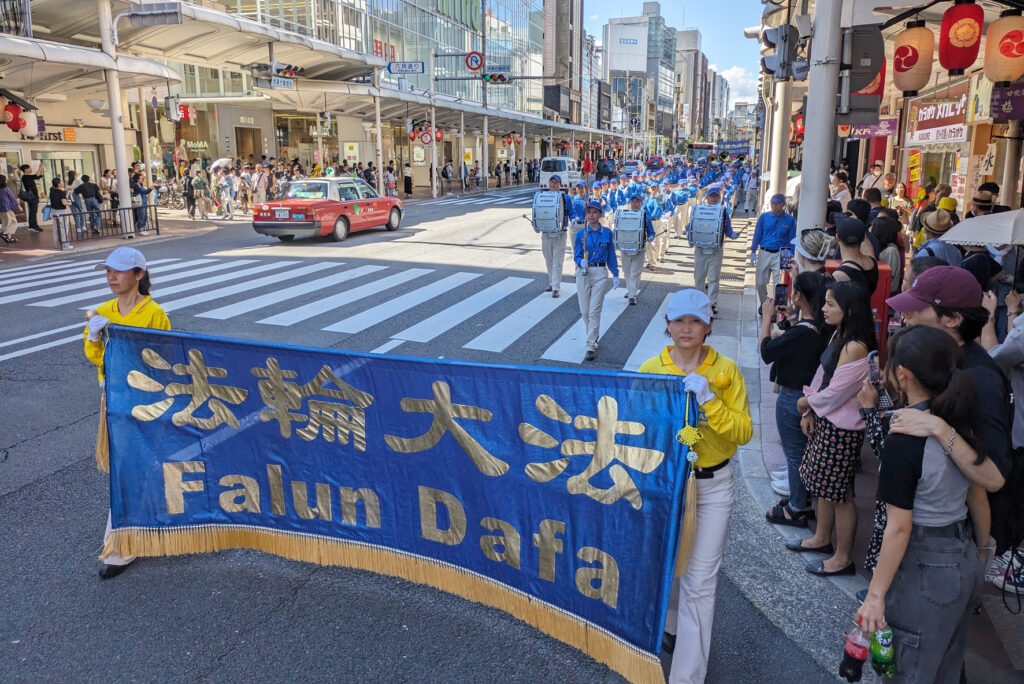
x=781, y=294
x=874, y=374
x=785, y=258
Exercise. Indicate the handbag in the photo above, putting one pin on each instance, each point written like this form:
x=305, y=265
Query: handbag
x=24, y=195
x=47, y=210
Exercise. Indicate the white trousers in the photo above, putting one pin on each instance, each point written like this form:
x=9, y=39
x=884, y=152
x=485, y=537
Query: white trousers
x=8, y=223
x=590, y=290
x=681, y=218
x=114, y=559
x=750, y=201
x=767, y=269
x=691, y=607
x=632, y=266
x=661, y=227
x=707, y=268
x=554, y=257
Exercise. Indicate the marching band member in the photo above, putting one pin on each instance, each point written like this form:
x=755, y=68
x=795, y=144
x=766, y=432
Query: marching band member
x=707, y=261
x=653, y=209
x=578, y=196
x=633, y=257
x=594, y=254
x=553, y=244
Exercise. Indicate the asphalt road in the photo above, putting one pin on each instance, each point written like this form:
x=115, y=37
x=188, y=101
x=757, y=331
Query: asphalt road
x=249, y=616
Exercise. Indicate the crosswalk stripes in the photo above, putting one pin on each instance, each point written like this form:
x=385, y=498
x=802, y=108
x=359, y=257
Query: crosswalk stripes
x=382, y=312
x=88, y=275
x=92, y=279
x=500, y=336
x=652, y=341
x=20, y=271
x=340, y=299
x=278, y=296
x=244, y=286
x=571, y=347
x=443, y=321
x=46, y=333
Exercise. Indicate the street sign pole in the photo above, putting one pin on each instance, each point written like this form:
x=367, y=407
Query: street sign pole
x=483, y=84
x=433, y=132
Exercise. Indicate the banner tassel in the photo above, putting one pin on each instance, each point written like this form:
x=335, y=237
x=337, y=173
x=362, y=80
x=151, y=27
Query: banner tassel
x=688, y=436
x=102, y=439
x=630, y=662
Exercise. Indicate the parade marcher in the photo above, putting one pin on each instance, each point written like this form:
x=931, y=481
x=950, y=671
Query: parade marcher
x=707, y=261
x=553, y=244
x=654, y=209
x=725, y=424
x=128, y=279
x=594, y=254
x=632, y=256
x=775, y=230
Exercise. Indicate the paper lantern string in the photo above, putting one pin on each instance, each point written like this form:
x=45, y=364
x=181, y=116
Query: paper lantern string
x=689, y=434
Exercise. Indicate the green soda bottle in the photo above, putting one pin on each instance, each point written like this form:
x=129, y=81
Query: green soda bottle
x=883, y=657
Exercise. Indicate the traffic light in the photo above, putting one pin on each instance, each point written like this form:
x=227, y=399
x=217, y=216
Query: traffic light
x=172, y=108
x=286, y=70
x=495, y=78
x=780, y=45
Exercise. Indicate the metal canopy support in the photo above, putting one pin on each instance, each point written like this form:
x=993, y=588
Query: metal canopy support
x=114, y=100
x=380, y=132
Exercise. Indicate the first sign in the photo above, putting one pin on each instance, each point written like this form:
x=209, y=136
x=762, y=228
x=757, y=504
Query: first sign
x=405, y=67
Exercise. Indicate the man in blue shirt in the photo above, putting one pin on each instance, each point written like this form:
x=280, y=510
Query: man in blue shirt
x=775, y=230
x=553, y=244
x=707, y=261
x=594, y=254
x=578, y=198
x=633, y=260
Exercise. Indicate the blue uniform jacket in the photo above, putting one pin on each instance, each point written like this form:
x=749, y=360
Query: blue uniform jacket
x=773, y=232
x=599, y=246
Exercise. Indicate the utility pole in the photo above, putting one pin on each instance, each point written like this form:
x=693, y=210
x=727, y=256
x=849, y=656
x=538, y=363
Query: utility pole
x=380, y=143
x=483, y=51
x=113, y=80
x=433, y=132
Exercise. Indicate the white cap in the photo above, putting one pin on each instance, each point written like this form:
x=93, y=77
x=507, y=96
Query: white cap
x=124, y=259
x=689, y=303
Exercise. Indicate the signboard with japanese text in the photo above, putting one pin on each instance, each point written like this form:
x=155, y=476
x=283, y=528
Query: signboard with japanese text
x=553, y=494
x=419, y=155
x=886, y=126
x=939, y=118
x=1008, y=103
x=352, y=152
x=734, y=147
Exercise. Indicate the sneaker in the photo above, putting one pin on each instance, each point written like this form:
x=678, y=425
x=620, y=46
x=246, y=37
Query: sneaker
x=781, y=487
x=780, y=474
x=1011, y=581
x=143, y=232
x=35, y=229
x=67, y=245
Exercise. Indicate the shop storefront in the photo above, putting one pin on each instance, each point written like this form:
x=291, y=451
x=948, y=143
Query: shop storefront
x=935, y=137
x=197, y=134
x=299, y=136
x=246, y=133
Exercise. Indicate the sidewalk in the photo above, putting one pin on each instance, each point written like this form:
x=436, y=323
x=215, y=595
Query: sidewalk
x=813, y=610
x=421, y=193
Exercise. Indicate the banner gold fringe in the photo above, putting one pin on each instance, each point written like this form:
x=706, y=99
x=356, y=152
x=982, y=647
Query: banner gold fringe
x=628, y=661
x=102, y=439
x=688, y=528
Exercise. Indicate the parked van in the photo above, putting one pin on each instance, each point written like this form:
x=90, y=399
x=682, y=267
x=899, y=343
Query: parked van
x=565, y=168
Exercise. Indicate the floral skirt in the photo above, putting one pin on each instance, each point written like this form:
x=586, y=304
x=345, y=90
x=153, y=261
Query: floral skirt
x=830, y=460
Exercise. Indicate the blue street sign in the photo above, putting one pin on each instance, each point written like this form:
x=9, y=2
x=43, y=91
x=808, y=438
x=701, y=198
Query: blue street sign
x=405, y=67
x=495, y=68
x=279, y=82
x=634, y=121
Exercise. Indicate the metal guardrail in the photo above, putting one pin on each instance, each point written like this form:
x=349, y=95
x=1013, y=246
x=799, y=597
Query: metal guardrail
x=124, y=222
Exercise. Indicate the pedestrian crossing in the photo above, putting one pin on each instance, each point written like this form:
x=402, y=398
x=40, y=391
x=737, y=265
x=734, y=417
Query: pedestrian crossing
x=515, y=197
x=482, y=311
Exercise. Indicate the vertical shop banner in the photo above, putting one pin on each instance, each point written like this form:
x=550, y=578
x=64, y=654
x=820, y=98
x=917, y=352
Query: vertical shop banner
x=939, y=118
x=555, y=495
x=1008, y=103
x=352, y=152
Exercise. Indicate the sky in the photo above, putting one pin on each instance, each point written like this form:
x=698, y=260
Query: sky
x=721, y=23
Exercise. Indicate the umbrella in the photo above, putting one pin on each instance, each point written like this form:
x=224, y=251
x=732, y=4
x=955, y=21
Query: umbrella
x=1006, y=228
x=223, y=161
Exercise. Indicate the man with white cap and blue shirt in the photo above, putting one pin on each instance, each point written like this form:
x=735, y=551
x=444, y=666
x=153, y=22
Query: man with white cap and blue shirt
x=553, y=245
x=707, y=261
x=775, y=230
x=594, y=254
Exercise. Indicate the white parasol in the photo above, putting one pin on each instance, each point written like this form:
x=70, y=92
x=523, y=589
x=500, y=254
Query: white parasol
x=1005, y=228
x=223, y=161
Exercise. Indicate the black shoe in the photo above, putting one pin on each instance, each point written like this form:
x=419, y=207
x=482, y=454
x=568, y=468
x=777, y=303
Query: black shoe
x=549, y=289
x=798, y=546
x=818, y=568
x=632, y=301
x=555, y=294
x=591, y=355
x=35, y=229
x=714, y=310
x=668, y=642
x=625, y=296
x=109, y=571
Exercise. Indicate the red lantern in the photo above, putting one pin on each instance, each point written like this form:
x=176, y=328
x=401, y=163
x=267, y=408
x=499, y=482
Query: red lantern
x=438, y=135
x=12, y=113
x=412, y=136
x=960, y=36
x=1004, y=48
x=877, y=85
x=912, y=58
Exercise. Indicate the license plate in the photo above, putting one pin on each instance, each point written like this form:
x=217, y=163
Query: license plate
x=281, y=213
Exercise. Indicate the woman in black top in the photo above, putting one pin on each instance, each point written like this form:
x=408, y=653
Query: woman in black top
x=794, y=358
x=928, y=575
x=857, y=267
x=59, y=204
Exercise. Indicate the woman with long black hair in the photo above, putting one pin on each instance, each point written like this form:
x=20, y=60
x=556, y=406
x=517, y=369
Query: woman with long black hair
x=832, y=421
x=928, y=575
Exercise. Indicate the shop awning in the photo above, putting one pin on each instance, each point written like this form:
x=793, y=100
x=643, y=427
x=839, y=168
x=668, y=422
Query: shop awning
x=39, y=67
x=207, y=37
x=356, y=100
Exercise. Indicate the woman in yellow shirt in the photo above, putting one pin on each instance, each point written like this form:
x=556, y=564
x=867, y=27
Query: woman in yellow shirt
x=129, y=280
x=724, y=423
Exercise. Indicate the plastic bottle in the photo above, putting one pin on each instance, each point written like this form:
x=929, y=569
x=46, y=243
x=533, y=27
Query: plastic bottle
x=855, y=653
x=883, y=657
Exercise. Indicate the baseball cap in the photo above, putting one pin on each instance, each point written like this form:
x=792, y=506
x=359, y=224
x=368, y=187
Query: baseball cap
x=123, y=259
x=555, y=177
x=850, y=230
x=948, y=286
x=689, y=303
x=778, y=198
x=581, y=184
x=947, y=203
x=595, y=205
x=714, y=190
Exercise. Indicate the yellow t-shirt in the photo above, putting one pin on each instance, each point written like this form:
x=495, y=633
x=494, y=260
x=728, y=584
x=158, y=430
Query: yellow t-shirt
x=146, y=314
x=724, y=422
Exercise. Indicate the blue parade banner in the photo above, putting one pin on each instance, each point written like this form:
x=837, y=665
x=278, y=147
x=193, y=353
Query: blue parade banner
x=734, y=147
x=555, y=495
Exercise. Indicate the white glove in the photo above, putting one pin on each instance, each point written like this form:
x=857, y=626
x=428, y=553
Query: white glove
x=615, y=282
x=753, y=258
x=96, y=324
x=698, y=384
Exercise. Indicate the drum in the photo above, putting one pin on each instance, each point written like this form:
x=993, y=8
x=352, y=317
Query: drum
x=630, y=235
x=548, y=212
x=707, y=224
